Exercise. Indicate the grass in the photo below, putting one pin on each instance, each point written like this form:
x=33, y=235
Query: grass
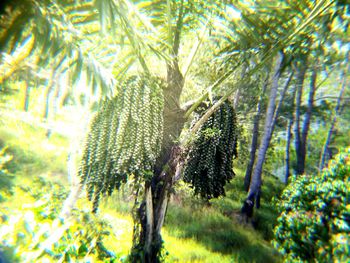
x=197, y=232
x=32, y=152
x=219, y=234
x=194, y=231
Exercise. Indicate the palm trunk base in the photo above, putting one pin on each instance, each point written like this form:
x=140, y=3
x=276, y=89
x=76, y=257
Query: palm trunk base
x=247, y=210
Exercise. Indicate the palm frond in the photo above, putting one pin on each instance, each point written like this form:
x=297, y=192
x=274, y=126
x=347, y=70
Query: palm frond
x=290, y=36
x=58, y=43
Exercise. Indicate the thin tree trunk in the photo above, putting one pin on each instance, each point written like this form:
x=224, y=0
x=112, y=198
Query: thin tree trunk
x=255, y=133
x=76, y=187
x=50, y=89
x=298, y=142
x=307, y=119
x=289, y=137
x=236, y=98
x=56, y=99
x=274, y=120
x=150, y=222
x=71, y=200
x=336, y=114
x=237, y=95
x=47, y=102
x=278, y=108
x=254, y=189
x=26, y=98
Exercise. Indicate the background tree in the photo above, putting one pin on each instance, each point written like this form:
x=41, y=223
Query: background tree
x=336, y=114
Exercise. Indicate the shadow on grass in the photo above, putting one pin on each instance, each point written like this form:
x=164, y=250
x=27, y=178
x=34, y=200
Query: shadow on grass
x=218, y=234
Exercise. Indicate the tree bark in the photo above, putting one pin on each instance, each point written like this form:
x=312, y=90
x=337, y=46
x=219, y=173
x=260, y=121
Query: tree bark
x=150, y=222
x=255, y=185
x=336, y=114
x=274, y=120
x=56, y=99
x=167, y=163
x=298, y=141
x=289, y=138
x=27, y=96
x=255, y=132
x=47, y=101
x=50, y=89
x=282, y=95
x=307, y=119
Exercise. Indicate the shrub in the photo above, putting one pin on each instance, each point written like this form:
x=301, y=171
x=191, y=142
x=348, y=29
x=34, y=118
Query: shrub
x=314, y=221
x=33, y=231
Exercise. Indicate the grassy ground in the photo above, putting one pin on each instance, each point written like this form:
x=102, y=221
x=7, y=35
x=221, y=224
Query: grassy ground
x=194, y=231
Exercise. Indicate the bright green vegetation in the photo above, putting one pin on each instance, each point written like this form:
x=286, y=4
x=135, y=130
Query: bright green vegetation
x=315, y=213
x=186, y=113
x=195, y=231
x=32, y=232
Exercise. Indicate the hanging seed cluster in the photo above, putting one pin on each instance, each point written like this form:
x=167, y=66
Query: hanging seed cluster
x=209, y=161
x=125, y=137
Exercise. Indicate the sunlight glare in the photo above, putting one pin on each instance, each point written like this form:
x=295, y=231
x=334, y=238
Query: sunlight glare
x=233, y=13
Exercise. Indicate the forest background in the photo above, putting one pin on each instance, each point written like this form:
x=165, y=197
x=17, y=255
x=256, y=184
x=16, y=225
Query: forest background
x=263, y=84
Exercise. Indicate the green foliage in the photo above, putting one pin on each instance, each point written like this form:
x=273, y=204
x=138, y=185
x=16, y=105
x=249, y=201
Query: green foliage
x=125, y=137
x=209, y=164
x=315, y=215
x=27, y=229
x=41, y=26
x=5, y=178
x=32, y=153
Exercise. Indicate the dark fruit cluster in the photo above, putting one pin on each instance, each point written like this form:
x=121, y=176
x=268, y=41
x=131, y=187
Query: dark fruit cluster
x=209, y=161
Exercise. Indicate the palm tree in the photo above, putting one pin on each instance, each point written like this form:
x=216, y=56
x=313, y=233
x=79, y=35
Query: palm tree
x=148, y=33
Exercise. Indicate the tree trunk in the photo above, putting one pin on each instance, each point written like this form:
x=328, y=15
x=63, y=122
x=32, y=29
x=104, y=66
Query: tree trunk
x=237, y=95
x=165, y=168
x=47, y=102
x=300, y=152
x=274, y=120
x=26, y=98
x=336, y=114
x=56, y=99
x=255, y=132
x=166, y=164
x=289, y=137
x=307, y=119
x=50, y=88
x=255, y=185
x=236, y=98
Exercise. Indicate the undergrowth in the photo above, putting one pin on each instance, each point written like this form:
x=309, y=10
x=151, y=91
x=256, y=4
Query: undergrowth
x=195, y=230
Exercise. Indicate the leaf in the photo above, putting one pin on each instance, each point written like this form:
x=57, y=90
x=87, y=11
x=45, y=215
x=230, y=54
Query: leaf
x=83, y=249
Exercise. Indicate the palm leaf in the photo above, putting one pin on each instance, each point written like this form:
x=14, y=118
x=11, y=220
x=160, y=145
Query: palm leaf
x=293, y=34
x=56, y=37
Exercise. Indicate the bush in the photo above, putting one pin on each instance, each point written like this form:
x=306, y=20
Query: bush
x=314, y=221
x=33, y=231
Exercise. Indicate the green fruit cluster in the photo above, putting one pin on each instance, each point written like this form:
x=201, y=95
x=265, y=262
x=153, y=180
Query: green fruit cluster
x=314, y=224
x=209, y=161
x=125, y=137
